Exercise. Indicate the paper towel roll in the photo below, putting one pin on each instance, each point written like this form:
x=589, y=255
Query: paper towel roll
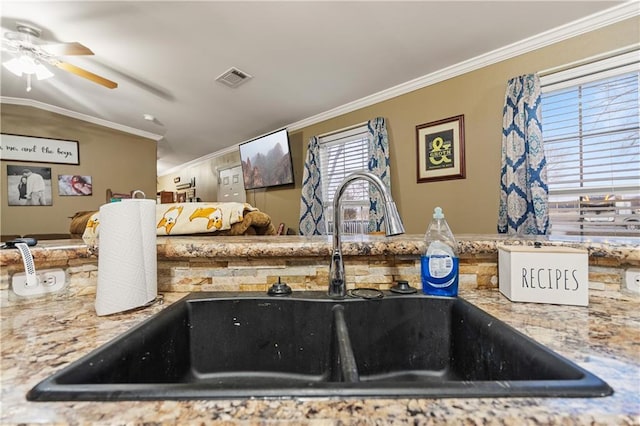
x=127, y=256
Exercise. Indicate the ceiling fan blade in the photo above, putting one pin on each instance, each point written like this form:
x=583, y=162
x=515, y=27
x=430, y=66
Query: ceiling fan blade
x=86, y=74
x=64, y=49
x=8, y=48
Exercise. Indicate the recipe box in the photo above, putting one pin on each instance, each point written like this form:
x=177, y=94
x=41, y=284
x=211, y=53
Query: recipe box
x=544, y=274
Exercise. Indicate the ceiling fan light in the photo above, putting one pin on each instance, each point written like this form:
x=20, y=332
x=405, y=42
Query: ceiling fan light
x=42, y=73
x=14, y=66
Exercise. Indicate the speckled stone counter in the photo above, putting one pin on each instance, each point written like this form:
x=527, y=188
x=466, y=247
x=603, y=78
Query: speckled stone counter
x=40, y=336
x=604, y=338
x=624, y=250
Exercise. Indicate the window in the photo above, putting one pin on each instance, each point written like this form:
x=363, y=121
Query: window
x=590, y=125
x=341, y=154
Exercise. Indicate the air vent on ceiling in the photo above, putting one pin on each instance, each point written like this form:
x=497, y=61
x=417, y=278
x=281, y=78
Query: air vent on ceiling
x=233, y=77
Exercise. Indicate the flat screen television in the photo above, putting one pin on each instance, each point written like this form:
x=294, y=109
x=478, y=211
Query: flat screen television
x=266, y=161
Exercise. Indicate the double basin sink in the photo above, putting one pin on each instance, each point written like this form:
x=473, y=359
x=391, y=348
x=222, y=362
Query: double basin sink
x=217, y=345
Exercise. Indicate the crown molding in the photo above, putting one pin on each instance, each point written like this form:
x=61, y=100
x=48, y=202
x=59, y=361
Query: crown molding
x=79, y=116
x=590, y=23
x=220, y=153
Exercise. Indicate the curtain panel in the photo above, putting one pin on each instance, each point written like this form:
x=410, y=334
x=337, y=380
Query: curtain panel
x=312, y=221
x=378, y=164
x=523, y=177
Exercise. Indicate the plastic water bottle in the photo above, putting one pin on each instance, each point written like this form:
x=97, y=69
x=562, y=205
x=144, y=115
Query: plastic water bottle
x=440, y=262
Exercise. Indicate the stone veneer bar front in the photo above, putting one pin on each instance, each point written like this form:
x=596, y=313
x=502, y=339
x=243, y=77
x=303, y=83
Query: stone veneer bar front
x=209, y=263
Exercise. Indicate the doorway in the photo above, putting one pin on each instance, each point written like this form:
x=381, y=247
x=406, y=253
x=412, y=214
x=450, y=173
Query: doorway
x=231, y=185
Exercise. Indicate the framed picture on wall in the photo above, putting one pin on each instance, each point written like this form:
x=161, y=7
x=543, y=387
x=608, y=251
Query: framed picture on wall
x=38, y=150
x=440, y=150
x=29, y=186
x=74, y=185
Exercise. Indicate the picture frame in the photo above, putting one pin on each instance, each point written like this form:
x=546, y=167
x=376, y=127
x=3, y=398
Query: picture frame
x=440, y=150
x=36, y=149
x=74, y=185
x=22, y=192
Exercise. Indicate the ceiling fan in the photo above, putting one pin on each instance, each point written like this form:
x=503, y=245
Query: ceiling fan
x=30, y=55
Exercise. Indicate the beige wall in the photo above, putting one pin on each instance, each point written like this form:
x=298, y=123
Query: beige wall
x=281, y=203
x=205, y=174
x=122, y=161
x=112, y=158
x=471, y=204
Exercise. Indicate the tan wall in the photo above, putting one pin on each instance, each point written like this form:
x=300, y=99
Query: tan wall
x=281, y=203
x=471, y=205
x=205, y=174
x=112, y=158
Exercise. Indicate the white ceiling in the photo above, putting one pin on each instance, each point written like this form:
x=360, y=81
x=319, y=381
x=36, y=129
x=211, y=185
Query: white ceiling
x=306, y=58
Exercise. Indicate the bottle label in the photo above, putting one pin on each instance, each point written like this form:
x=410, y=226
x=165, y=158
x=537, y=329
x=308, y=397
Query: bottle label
x=439, y=271
x=440, y=266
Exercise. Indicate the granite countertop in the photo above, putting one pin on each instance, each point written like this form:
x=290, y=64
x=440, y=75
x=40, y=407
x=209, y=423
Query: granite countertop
x=625, y=250
x=604, y=338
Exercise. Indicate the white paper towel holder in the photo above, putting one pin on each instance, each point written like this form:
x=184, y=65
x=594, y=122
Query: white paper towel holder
x=127, y=279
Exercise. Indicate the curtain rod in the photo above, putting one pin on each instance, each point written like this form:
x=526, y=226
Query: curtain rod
x=590, y=60
x=344, y=129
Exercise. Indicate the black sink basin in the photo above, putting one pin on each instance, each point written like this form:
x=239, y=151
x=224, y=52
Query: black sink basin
x=216, y=345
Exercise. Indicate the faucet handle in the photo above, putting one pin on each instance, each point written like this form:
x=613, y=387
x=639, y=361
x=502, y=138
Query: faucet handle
x=403, y=287
x=279, y=289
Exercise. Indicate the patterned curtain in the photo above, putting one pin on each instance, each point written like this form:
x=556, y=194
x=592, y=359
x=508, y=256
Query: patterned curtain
x=523, y=187
x=379, y=165
x=311, y=211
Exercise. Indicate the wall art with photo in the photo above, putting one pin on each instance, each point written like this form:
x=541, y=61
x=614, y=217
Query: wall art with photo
x=74, y=185
x=29, y=186
x=440, y=150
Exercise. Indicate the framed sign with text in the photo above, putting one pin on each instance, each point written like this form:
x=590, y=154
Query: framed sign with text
x=440, y=150
x=38, y=150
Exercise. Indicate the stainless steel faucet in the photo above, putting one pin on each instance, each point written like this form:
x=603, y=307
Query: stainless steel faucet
x=393, y=226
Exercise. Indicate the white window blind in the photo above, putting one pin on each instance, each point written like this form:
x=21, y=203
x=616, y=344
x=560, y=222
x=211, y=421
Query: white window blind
x=341, y=154
x=590, y=124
